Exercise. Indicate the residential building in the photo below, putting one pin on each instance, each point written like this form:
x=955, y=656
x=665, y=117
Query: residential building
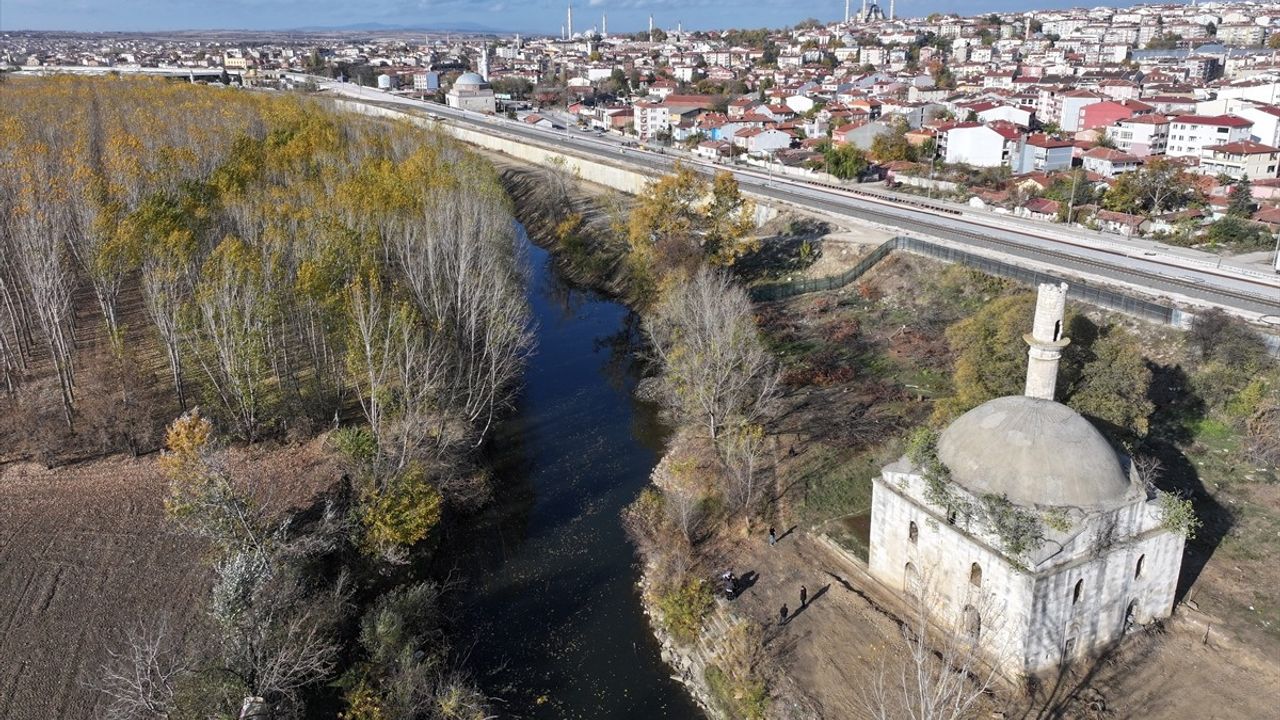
x=1142, y=135
x=1190, y=134
x=1109, y=162
x=1236, y=160
x=1041, y=153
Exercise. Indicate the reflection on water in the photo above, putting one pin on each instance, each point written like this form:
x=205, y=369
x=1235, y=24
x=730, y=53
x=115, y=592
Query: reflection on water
x=552, y=617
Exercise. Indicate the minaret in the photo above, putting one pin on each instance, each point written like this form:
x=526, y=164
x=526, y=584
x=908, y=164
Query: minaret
x=604, y=25
x=846, y=12
x=863, y=17
x=650, y=28
x=1045, y=341
x=569, y=23
x=482, y=67
x=891, y=10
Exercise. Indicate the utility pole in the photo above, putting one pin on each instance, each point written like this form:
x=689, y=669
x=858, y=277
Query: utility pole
x=1071, y=205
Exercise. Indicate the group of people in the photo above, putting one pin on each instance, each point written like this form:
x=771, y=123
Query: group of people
x=729, y=583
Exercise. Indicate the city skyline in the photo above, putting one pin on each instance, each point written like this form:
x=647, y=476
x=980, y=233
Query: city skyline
x=546, y=17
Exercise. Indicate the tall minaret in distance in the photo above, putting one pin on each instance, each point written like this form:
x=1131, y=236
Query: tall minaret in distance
x=650, y=28
x=569, y=22
x=891, y=10
x=604, y=25
x=863, y=17
x=1045, y=341
x=482, y=67
x=846, y=12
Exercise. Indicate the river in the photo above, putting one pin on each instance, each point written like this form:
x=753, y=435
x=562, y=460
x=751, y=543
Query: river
x=552, y=614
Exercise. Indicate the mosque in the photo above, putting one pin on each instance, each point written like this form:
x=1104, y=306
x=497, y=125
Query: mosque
x=472, y=91
x=1027, y=530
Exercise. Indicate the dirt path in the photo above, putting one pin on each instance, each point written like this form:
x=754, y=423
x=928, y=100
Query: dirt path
x=829, y=645
x=829, y=648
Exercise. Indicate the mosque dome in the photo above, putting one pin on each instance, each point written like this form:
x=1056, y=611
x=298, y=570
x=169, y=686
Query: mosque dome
x=469, y=80
x=1034, y=452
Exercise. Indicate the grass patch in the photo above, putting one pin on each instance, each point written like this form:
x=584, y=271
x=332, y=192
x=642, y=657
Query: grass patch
x=748, y=700
x=835, y=483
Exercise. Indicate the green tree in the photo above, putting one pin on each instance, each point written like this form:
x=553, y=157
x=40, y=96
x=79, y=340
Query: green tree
x=845, y=161
x=1113, y=384
x=1159, y=187
x=1240, y=199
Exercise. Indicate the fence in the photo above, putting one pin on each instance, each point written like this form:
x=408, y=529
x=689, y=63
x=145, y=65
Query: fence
x=1079, y=290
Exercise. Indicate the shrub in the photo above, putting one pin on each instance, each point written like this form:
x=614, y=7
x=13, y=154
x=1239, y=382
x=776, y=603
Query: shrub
x=684, y=607
x=357, y=444
x=401, y=512
x=1178, y=514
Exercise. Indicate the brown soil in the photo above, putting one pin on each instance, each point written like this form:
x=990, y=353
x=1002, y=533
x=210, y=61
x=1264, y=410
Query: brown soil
x=86, y=552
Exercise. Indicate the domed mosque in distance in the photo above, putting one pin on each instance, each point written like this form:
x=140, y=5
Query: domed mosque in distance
x=1024, y=527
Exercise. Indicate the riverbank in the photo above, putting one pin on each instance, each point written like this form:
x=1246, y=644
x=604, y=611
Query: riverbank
x=863, y=366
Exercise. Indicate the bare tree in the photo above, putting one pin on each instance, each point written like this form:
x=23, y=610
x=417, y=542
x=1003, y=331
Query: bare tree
x=140, y=677
x=461, y=263
x=741, y=449
x=685, y=497
x=947, y=665
x=715, y=366
x=229, y=338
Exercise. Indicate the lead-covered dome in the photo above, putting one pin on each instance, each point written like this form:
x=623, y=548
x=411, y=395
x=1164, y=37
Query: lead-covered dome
x=1034, y=452
x=470, y=79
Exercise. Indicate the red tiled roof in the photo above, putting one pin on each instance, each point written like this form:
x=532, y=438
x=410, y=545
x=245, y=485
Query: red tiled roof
x=1042, y=206
x=1243, y=147
x=1222, y=120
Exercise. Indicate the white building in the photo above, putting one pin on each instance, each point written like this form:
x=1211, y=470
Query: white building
x=471, y=92
x=975, y=144
x=1190, y=134
x=1100, y=560
x=1141, y=135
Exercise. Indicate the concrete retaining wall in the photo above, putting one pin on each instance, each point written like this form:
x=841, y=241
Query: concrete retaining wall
x=615, y=177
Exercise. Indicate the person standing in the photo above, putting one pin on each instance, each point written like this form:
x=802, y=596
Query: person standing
x=804, y=596
x=773, y=536
x=782, y=615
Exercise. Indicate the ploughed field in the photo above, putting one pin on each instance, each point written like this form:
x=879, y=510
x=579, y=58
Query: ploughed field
x=86, y=553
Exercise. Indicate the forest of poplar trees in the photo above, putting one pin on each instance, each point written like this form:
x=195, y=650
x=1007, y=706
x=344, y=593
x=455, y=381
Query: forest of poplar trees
x=163, y=245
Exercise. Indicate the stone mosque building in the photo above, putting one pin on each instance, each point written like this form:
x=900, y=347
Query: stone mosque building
x=1105, y=562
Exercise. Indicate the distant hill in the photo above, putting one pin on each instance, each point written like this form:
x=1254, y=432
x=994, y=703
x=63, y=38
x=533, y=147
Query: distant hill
x=438, y=27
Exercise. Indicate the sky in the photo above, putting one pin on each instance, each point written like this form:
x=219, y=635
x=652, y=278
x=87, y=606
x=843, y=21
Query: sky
x=528, y=16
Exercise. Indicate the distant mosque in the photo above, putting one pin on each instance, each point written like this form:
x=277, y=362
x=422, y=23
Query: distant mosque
x=1101, y=562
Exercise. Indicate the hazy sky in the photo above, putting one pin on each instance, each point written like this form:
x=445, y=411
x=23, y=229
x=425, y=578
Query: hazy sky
x=530, y=16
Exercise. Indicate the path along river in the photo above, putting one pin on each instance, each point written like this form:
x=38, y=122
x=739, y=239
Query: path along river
x=552, y=613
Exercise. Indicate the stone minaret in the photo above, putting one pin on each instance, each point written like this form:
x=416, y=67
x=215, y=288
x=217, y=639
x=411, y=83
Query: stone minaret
x=863, y=17
x=846, y=12
x=1045, y=341
x=892, y=10
x=569, y=23
x=482, y=67
x=650, y=28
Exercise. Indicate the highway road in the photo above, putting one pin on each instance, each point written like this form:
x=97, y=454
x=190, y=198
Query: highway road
x=1177, y=273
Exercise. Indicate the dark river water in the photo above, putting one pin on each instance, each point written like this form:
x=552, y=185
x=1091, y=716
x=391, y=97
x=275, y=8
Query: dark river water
x=552, y=619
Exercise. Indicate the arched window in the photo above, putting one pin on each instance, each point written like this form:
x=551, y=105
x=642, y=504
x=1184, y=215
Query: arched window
x=913, y=532
x=911, y=579
x=1057, y=330
x=972, y=622
x=975, y=575
x=1137, y=570
x=1078, y=592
